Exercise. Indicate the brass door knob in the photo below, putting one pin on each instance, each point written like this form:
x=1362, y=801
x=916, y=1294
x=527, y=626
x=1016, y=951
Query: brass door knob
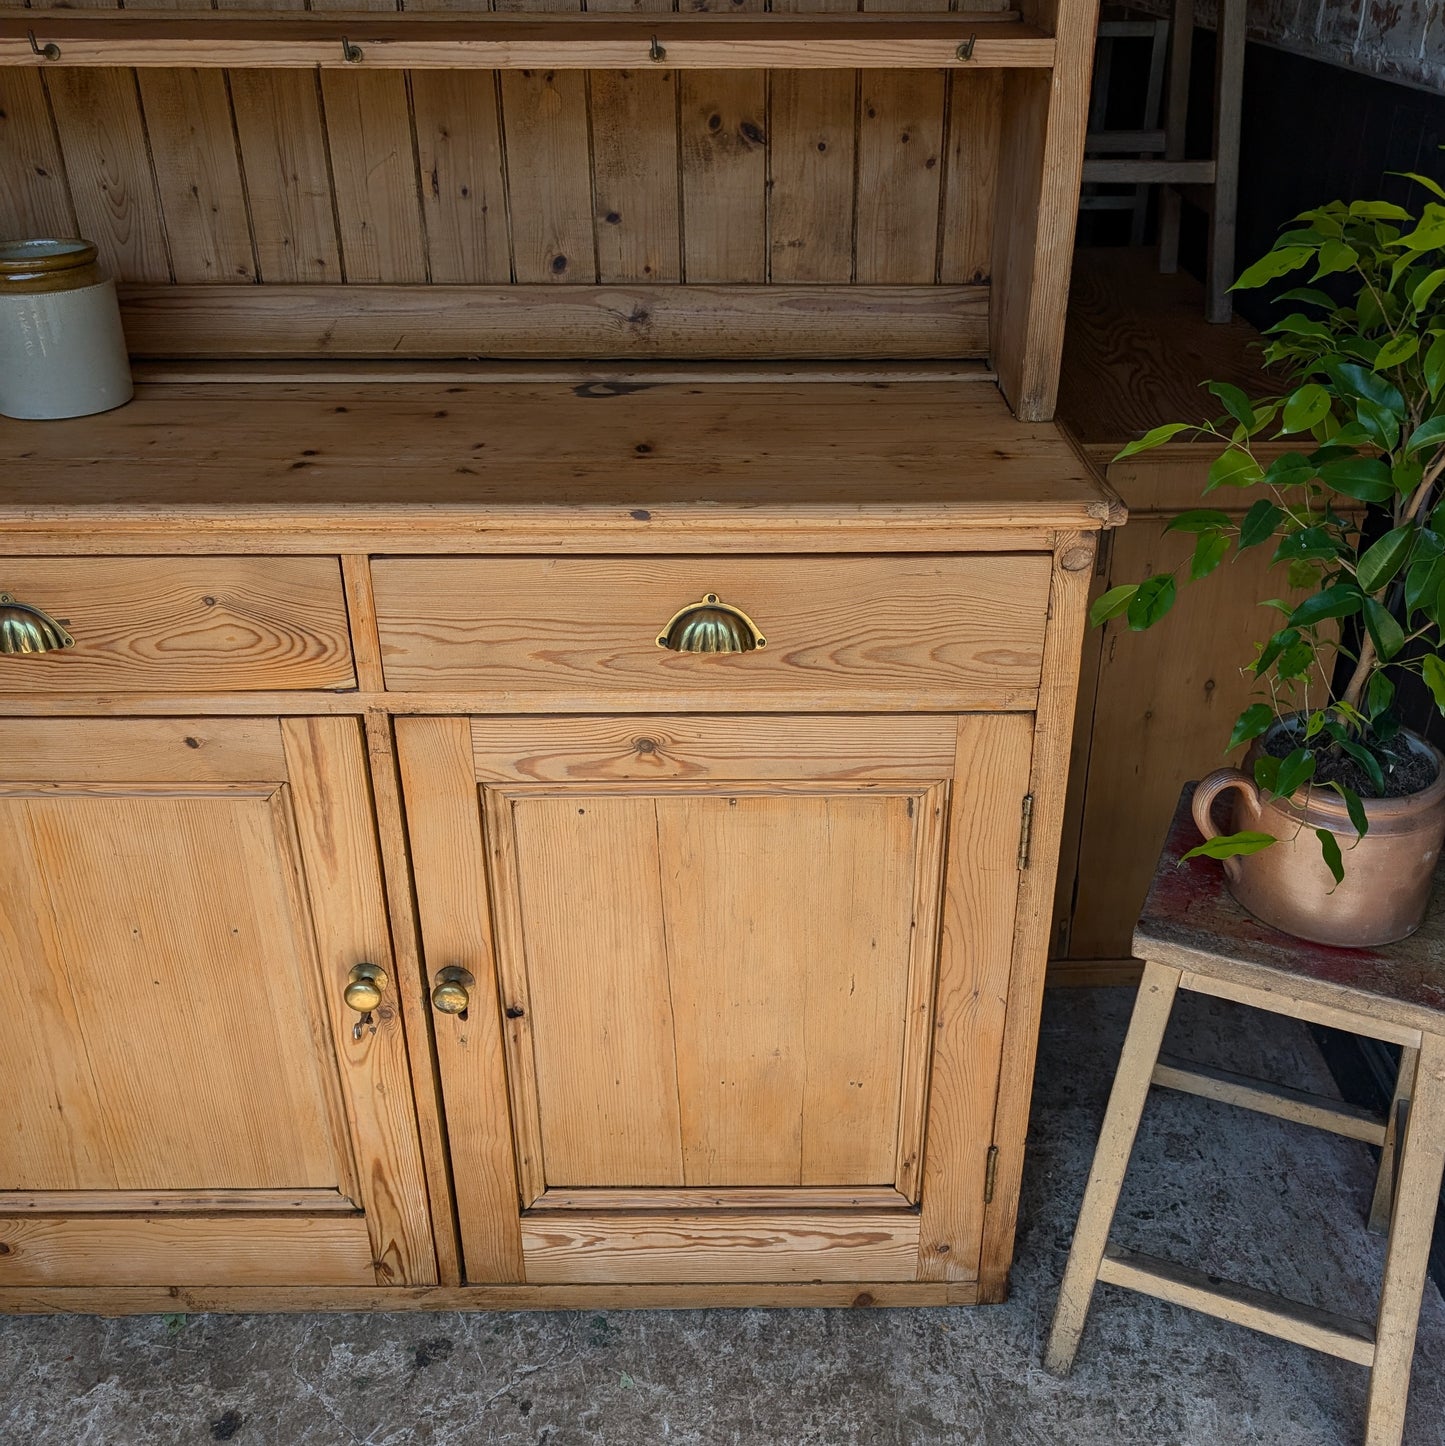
x=711, y=626
x=364, y=987
x=25, y=629
x=452, y=992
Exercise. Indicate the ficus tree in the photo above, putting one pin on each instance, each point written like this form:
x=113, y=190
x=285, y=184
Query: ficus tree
x=1362, y=365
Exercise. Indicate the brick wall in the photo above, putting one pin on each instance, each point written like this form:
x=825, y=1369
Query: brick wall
x=1402, y=40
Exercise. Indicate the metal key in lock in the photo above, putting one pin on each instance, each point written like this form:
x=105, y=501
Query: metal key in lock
x=364, y=987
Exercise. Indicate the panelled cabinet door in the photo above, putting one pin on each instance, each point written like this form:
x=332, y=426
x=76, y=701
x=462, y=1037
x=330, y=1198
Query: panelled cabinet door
x=733, y=988
x=189, y=1098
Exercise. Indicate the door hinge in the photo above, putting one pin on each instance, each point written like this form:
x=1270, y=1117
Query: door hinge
x=1026, y=830
x=990, y=1174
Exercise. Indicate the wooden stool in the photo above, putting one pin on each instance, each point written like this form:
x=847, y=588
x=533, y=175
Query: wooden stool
x=1193, y=935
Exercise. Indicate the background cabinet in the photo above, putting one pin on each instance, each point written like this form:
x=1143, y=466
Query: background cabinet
x=729, y=974
x=188, y=1095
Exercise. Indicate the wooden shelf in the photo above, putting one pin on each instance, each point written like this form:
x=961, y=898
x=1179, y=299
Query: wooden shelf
x=577, y=464
x=506, y=41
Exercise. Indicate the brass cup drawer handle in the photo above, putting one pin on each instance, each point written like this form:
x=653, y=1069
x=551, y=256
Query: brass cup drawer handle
x=25, y=629
x=452, y=992
x=711, y=626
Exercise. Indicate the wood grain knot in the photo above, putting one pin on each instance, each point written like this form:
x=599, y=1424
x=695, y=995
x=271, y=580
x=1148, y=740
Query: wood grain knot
x=1076, y=559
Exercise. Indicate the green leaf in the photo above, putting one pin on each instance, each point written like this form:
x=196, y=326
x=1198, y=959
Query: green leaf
x=1432, y=669
x=1406, y=477
x=1295, y=661
x=1259, y=523
x=1330, y=848
x=1366, y=479
x=1256, y=718
x=1202, y=519
x=1155, y=438
x=1430, y=433
x=1153, y=599
x=1420, y=180
x=1294, y=772
x=1310, y=295
x=1352, y=380
x=1434, y=367
x=1427, y=236
x=1380, y=211
x=1335, y=256
x=1235, y=402
x=1272, y=264
x=1341, y=601
x=1423, y=582
x=1208, y=554
x=1230, y=845
x=1379, y=694
x=1233, y=468
x=1285, y=638
x=1354, y=807
x=1316, y=542
x=1302, y=573
x=1397, y=350
x=1298, y=324
x=1383, y=559
x=1381, y=425
x=1425, y=289
x=1113, y=602
x=1306, y=406
x=1388, y=636
x=1363, y=757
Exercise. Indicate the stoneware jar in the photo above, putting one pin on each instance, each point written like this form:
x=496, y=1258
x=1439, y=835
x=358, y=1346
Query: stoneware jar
x=62, y=352
x=1388, y=872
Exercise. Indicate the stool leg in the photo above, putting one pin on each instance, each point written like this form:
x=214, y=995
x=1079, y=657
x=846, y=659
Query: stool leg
x=1111, y=1159
x=1381, y=1205
x=1417, y=1194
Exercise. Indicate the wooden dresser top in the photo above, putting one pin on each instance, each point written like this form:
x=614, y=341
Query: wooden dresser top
x=308, y=465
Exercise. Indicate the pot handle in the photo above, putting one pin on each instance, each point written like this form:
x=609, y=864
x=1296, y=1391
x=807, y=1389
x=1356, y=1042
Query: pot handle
x=1207, y=790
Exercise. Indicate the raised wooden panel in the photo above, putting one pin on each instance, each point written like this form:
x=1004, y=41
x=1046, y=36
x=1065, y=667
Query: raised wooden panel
x=941, y=631
x=163, y=1250
x=149, y=928
x=180, y=624
x=560, y=1246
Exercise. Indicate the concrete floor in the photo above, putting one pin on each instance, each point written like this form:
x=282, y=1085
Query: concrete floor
x=1264, y=1202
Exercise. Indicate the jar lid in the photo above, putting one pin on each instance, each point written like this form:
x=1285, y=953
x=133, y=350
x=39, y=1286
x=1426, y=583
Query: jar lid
x=44, y=254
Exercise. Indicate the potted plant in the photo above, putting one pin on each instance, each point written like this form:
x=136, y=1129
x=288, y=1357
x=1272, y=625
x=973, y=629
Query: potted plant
x=1339, y=812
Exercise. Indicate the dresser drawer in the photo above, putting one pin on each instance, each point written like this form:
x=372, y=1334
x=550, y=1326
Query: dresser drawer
x=181, y=625
x=935, y=631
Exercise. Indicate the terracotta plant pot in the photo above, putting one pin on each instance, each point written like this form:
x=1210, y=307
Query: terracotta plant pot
x=1289, y=886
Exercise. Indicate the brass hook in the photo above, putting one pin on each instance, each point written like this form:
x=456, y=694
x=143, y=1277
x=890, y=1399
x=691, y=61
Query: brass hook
x=50, y=50
x=350, y=53
x=655, y=51
x=965, y=51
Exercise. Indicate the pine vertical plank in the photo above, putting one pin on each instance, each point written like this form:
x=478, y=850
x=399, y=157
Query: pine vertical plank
x=975, y=132
x=1053, y=733
x=1040, y=166
x=373, y=166
x=108, y=162
x=724, y=175
x=450, y=871
x=811, y=150
x=634, y=174
x=459, y=152
x=900, y=150
x=288, y=183
x=34, y=192
x=549, y=175
x=284, y=162
x=980, y=903
x=188, y=118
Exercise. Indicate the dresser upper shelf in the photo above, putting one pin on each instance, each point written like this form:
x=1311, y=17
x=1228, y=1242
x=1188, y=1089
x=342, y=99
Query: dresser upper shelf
x=412, y=40
x=559, y=465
